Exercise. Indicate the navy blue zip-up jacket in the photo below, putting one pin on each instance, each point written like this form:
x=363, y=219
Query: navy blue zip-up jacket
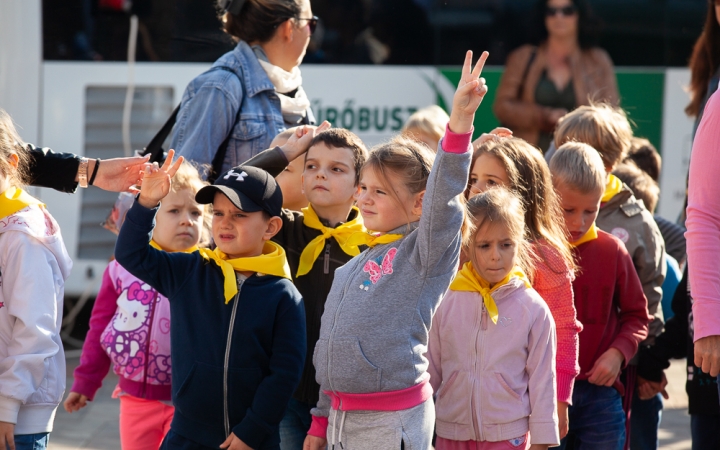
x=266, y=345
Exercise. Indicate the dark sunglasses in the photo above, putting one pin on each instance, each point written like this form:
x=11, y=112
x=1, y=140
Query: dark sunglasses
x=312, y=22
x=566, y=11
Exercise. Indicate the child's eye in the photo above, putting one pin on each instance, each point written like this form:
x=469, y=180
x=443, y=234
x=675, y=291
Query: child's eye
x=363, y=188
x=310, y=166
x=491, y=183
x=174, y=211
x=337, y=169
x=217, y=214
x=196, y=213
x=240, y=216
x=377, y=191
x=569, y=211
x=472, y=181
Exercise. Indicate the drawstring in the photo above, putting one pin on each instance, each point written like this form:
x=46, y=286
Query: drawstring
x=339, y=431
x=332, y=437
x=342, y=424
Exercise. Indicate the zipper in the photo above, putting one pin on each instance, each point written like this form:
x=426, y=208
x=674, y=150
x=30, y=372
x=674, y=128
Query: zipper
x=147, y=342
x=326, y=261
x=478, y=352
x=227, y=357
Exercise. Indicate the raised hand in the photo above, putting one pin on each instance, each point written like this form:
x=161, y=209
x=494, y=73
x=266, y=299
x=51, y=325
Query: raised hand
x=299, y=142
x=469, y=94
x=495, y=134
x=156, y=180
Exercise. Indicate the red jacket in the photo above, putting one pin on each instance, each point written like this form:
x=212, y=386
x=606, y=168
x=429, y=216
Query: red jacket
x=610, y=302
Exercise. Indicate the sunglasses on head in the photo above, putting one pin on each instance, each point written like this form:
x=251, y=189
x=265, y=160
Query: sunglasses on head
x=312, y=22
x=566, y=11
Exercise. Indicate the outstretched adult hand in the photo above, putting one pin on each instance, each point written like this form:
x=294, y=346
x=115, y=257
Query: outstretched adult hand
x=157, y=180
x=469, y=94
x=119, y=174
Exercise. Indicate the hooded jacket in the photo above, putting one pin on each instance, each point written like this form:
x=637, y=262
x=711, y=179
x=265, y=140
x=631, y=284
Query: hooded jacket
x=493, y=381
x=34, y=265
x=626, y=218
x=374, y=330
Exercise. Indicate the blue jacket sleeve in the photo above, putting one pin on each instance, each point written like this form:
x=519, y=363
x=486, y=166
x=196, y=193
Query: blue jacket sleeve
x=286, y=366
x=166, y=272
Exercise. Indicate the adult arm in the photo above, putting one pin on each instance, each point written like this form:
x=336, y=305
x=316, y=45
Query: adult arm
x=286, y=365
x=31, y=299
x=703, y=237
x=94, y=362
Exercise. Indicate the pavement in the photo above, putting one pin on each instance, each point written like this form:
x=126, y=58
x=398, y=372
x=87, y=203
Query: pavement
x=95, y=427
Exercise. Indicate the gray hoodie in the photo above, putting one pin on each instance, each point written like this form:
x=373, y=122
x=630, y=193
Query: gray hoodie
x=374, y=330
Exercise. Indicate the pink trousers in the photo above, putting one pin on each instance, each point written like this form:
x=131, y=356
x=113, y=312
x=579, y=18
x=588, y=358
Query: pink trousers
x=143, y=423
x=520, y=443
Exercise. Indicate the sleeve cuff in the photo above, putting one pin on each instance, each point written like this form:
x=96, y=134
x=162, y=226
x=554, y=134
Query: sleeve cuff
x=544, y=433
x=626, y=348
x=319, y=426
x=85, y=387
x=456, y=143
x=251, y=431
x=710, y=324
x=565, y=383
x=9, y=408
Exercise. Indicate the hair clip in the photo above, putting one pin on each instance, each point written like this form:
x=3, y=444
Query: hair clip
x=233, y=6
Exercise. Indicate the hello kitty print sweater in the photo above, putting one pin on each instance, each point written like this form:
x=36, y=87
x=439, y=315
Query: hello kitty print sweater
x=374, y=331
x=130, y=330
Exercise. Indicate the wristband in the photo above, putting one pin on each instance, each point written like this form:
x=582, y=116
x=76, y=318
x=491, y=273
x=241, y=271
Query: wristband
x=95, y=171
x=82, y=173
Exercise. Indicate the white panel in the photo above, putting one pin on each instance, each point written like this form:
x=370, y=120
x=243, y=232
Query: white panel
x=677, y=129
x=20, y=62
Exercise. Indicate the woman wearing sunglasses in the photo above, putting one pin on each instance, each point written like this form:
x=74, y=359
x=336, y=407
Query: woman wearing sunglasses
x=542, y=82
x=233, y=110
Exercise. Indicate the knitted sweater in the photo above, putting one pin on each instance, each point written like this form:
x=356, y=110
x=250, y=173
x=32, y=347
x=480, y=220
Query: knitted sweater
x=553, y=281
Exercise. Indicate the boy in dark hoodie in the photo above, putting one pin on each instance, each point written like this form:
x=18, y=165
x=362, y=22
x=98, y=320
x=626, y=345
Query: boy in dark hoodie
x=238, y=334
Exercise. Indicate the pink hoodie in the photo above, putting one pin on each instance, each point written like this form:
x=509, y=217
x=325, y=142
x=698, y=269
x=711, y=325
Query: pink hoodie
x=494, y=382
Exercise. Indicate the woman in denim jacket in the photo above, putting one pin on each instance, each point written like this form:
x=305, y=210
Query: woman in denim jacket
x=252, y=93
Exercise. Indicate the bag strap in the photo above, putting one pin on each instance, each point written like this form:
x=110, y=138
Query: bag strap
x=219, y=158
x=531, y=59
x=154, y=148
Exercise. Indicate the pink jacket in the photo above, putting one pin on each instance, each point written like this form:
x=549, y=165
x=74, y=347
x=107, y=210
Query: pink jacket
x=494, y=382
x=703, y=222
x=130, y=329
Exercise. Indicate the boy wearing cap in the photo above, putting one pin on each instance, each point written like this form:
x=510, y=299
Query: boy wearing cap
x=238, y=333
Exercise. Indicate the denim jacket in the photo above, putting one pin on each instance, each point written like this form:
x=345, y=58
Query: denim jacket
x=210, y=106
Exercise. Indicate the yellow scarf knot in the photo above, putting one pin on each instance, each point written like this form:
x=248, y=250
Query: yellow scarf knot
x=272, y=262
x=342, y=234
x=14, y=200
x=468, y=280
x=590, y=235
x=612, y=188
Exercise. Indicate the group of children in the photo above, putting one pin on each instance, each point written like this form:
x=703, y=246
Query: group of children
x=468, y=296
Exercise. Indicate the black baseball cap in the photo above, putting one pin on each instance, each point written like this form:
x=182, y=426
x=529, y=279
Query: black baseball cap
x=249, y=188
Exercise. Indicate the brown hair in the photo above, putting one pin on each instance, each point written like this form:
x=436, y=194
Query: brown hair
x=704, y=61
x=258, y=19
x=600, y=125
x=642, y=185
x=578, y=166
x=530, y=178
x=342, y=138
x=499, y=206
x=12, y=144
x=646, y=157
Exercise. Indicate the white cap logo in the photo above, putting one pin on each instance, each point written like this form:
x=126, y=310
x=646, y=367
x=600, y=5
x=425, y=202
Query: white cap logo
x=239, y=176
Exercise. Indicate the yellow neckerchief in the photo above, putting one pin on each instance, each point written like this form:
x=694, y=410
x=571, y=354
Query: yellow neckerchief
x=14, y=199
x=612, y=188
x=590, y=235
x=155, y=245
x=468, y=280
x=341, y=234
x=371, y=240
x=271, y=262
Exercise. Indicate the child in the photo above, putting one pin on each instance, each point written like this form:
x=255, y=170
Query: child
x=427, y=126
x=606, y=129
x=494, y=381
x=369, y=359
x=290, y=179
x=34, y=265
x=315, y=239
x=608, y=297
x=515, y=164
x=238, y=328
x=130, y=328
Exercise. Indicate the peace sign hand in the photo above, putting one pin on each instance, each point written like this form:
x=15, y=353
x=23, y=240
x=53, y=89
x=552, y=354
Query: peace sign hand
x=157, y=180
x=469, y=94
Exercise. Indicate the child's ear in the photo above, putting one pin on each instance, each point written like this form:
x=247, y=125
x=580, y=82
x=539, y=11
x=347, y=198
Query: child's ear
x=14, y=160
x=417, y=206
x=273, y=227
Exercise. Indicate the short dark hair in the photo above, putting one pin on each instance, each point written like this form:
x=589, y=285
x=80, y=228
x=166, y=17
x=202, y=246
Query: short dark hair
x=257, y=19
x=646, y=157
x=342, y=138
x=589, y=24
x=642, y=185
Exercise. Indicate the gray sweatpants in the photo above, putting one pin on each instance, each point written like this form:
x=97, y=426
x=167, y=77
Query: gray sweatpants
x=382, y=430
